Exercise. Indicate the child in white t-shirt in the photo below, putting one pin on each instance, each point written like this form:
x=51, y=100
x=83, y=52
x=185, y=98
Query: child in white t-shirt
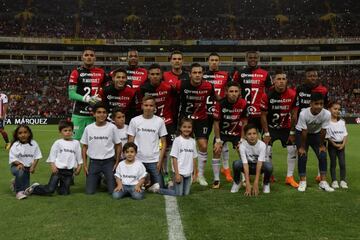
x=118, y=117
x=65, y=160
x=252, y=153
x=103, y=146
x=336, y=135
x=183, y=154
x=130, y=175
x=145, y=131
x=23, y=158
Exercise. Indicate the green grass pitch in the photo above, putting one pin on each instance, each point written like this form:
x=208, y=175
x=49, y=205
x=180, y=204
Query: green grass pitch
x=205, y=214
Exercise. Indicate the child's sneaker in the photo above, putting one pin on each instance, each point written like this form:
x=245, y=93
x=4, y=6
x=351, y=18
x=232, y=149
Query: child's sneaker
x=291, y=181
x=20, y=195
x=343, y=184
x=325, y=186
x=235, y=187
x=202, y=181
x=266, y=188
x=216, y=185
x=227, y=173
x=30, y=189
x=154, y=188
x=302, y=186
x=12, y=184
x=335, y=184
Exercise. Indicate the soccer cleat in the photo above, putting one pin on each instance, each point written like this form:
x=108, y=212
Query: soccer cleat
x=302, y=186
x=7, y=146
x=30, y=189
x=20, y=195
x=335, y=184
x=343, y=184
x=202, y=181
x=154, y=188
x=325, y=186
x=291, y=181
x=216, y=185
x=266, y=188
x=235, y=187
x=12, y=184
x=318, y=179
x=227, y=173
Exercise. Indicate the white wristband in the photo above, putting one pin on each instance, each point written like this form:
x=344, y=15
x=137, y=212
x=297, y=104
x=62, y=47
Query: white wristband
x=267, y=134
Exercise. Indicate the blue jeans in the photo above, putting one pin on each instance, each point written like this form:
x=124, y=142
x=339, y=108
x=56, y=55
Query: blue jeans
x=128, y=190
x=179, y=189
x=22, y=178
x=313, y=140
x=266, y=168
x=60, y=181
x=155, y=176
x=96, y=167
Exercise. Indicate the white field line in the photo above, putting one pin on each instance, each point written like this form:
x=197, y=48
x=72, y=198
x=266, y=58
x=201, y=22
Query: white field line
x=175, y=228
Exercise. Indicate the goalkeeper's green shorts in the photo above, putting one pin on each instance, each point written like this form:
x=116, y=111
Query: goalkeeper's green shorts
x=80, y=122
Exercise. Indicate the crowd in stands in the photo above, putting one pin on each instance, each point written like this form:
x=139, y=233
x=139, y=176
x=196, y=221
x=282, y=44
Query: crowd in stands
x=201, y=19
x=44, y=92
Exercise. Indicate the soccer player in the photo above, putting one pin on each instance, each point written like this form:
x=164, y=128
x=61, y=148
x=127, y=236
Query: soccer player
x=119, y=95
x=253, y=82
x=193, y=95
x=176, y=73
x=85, y=84
x=3, y=111
x=311, y=131
x=278, y=121
x=230, y=116
x=219, y=79
x=165, y=96
x=136, y=75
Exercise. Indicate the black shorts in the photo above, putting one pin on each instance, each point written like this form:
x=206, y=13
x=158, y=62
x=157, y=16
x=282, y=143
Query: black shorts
x=256, y=121
x=233, y=139
x=170, y=137
x=280, y=134
x=201, y=129
x=2, y=123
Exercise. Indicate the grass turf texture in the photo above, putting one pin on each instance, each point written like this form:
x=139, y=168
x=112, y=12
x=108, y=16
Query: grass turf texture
x=205, y=214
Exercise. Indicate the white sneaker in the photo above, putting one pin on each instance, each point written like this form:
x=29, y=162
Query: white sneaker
x=20, y=195
x=202, y=181
x=302, y=186
x=343, y=184
x=154, y=188
x=335, y=184
x=325, y=186
x=235, y=187
x=30, y=189
x=266, y=188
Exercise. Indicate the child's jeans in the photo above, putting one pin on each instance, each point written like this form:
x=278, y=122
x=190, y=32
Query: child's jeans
x=96, y=167
x=22, y=178
x=60, y=181
x=179, y=189
x=128, y=190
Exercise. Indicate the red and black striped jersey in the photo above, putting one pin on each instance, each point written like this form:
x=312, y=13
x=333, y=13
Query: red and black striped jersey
x=193, y=99
x=253, y=83
x=303, y=95
x=88, y=82
x=230, y=116
x=172, y=78
x=164, y=95
x=136, y=76
x=279, y=107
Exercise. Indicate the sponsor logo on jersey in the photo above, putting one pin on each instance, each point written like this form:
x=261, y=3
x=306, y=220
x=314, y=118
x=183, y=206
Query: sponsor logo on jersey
x=186, y=150
x=252, y=75
x=284, y=100
x=111, y=97
x=20, y=155
x=67, y=151
x=98, y=138
x=146, y=130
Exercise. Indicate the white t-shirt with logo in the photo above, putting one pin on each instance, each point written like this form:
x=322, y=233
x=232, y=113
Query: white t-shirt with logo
x=313, y=123
x=122, y=132
x=100, y=140
x=147, y=133
x=24, y=153
x=252, y=153
x=66, y=154
x=130, y=174
x=336, y=131
x=185, y=151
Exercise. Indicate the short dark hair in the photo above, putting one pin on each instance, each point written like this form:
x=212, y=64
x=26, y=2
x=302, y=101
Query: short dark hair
x=148, y=97
x=88, y=48
x=65, y=124
x=154, y=66
x=129, y=145
x=99, y=105
x=115, y=111
x=250, y=126
x=279, y=71
x=316, y=97
x=194, y=65
x=213, y=54
x=232, y=84
x=120, y=69
x=311, y=69
x=175, y=52
x=251, y=51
